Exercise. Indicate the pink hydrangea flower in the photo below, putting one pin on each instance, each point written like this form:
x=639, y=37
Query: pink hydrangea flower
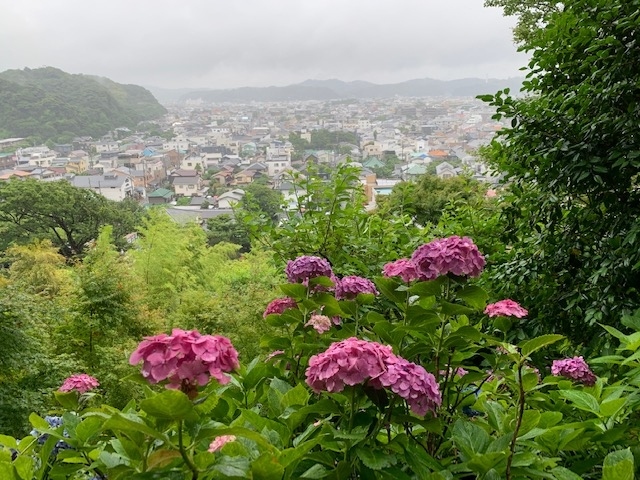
x=185, y=358
x=219, y=442
x=321, y=323
x=505, y=308
x=353, y=361
x=349, y=362
x=279, y=305
x=304, y=268
x=349, y=287
x=455, y=255
x=575, y=368
x=80, y=383
x=411, y=382
x=403, y=268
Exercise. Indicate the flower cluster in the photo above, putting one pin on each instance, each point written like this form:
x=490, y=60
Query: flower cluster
x=455, y=255
x=321, y=323
x=185, y=358
x=349, y=287
x=353, y=361
x=219, y=442
x=575, y=368
x=403, y=268
x=279, y=305
x=304, y=268
x=411, y=382
x=505, y=308
x=80, y=383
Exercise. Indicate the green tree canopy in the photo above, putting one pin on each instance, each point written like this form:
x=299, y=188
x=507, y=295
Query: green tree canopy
x=426, y=199
x=572, y=155
x=69, y=216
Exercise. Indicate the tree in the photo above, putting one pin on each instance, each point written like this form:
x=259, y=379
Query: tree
x=225, y=228
x=262, y=199
x=572, y=157
x=69, y=216
x=38, y=268
x=532, y=15
x=427, y=199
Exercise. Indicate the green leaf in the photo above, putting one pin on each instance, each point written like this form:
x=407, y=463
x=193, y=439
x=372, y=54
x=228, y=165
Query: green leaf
x=581, y=400
x=485, y=462
x=611, y=407
x=449, y=308
x=8, y=441
x=618, y=465
x=561, y=473
x=535, y=344
x=470, y=439
x=38, y=422
x=89, y=427
x=69, y=400
x=473, y=296
x=161, y=458
x=298, y=395
x=315, y=472
x=429, y=288
x=168, y=405
x=297, y=291
x=24, y=467
x=375, y=459
x=388, y=287
x=131, y=425
x=267, y=467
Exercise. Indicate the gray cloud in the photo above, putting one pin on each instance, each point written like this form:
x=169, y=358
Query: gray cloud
x=221, y=44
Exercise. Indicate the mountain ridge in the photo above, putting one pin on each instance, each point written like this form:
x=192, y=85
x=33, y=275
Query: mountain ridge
x=335, y=89
x=52, y=104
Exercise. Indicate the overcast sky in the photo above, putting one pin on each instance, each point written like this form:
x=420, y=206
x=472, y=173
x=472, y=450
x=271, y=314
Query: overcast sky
x=235, y=43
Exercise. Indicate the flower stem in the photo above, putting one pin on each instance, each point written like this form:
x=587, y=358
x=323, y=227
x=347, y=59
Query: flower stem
x=185, y=455
x=521, y=394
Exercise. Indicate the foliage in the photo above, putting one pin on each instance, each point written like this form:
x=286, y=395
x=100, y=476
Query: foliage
x=49, y=103
x=497, y=418
x=28, y=371
x=38, y=268
x=322, y=139
x=572, y=161
x=262, y=200
x=329, y=220
x=70, y=217
x=532, y=15
x=426, y=200
x=225, y=228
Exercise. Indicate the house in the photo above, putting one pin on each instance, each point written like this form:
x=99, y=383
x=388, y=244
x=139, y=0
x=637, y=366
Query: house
x=113, y=187
x=160, y=196
x=228, y=199
x=372, y=162
x=445, y=170
x=187, y=186
x=246, y=176
x=193, y=161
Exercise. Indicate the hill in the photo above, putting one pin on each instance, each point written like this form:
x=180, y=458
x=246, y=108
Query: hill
x=49, y=103
x=338, y=89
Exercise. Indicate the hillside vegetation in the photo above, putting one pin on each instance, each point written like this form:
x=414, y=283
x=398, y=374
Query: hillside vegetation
x=50, y=104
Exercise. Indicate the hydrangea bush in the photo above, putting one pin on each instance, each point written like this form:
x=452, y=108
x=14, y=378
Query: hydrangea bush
x=409, y=375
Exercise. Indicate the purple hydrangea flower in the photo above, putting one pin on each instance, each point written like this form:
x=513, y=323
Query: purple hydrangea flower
x=304, y=268
x=574, y=368
x=349, y=287
x=455, y=255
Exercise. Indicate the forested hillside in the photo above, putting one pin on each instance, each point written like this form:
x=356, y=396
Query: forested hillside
x=49, y=103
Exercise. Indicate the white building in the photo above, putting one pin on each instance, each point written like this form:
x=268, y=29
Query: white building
x=113, y=187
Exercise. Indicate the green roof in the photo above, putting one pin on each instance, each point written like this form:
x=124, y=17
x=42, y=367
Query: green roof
x=161, y=192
